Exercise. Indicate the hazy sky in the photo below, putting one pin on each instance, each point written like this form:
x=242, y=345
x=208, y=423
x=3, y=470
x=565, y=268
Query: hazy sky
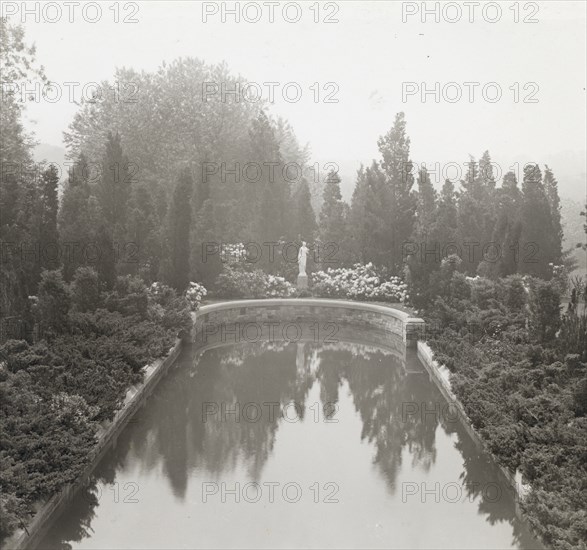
x=368, y=54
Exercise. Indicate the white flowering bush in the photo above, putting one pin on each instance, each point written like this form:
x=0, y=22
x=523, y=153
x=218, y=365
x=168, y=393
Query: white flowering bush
x=360, y=282
x=161, y=294
x=195, y=294
x=233, y=253
x=235, y=283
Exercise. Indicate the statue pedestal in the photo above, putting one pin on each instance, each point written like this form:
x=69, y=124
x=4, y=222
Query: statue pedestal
x=302, y=281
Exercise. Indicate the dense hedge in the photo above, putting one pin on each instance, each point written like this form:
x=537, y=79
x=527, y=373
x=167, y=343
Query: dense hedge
x=54, y=392
x=524, y=388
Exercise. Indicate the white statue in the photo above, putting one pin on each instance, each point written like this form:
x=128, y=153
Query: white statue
x=302, y=255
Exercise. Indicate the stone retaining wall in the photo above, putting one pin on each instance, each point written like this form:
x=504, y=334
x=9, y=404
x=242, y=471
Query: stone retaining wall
x=210, y=318
x=48, y=511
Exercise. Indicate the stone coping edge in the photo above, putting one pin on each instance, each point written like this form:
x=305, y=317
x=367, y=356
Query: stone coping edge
x=312, y=302
x=411, y=327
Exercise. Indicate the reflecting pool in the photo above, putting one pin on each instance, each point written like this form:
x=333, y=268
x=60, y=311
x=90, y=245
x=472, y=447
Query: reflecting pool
x=280, y=445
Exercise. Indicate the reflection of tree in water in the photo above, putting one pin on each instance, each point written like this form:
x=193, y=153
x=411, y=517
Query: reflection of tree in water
x=76, y=524
x=482, y=481
x=380, y=387
x=264, y=375
x=174, y=432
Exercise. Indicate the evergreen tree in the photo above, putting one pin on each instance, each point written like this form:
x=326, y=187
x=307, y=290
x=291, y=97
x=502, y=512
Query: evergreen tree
x=469, y=208
x=106, y=258
x=85, y=289
x=551, y=190
x=143, y=236
x=427, y=258
x=487, y=190
x=476, y=215
x=201, y=190
x=266, y=197
x=507, y=230
x=333, y=216
x=426, y=205
x=289, y=147
x=397, y=167
x=207, y=246
x=445, y=229
x=442, y=242
x=359, y=220
x=114, y=188
x=369, y=220
x=19, y=209
x=53, y=305
x=49, y=249
x=9, y=201
x=76, y=227
x=179, y=223
x=486, y=176
x=28, y=222
x=537, y=228
x=305, y=226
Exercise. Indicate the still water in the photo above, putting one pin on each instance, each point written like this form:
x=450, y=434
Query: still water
x=283, y=445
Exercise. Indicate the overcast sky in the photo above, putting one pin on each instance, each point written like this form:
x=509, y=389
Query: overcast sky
x=368, y=54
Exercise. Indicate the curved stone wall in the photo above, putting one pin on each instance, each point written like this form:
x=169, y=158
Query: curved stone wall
x=240, y=320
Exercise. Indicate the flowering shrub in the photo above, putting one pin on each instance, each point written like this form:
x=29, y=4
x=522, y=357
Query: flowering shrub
x=194, y=295
x=361, y=282
x=161, y=293
x=234, y=283
x=167, y=309
x=233, y=253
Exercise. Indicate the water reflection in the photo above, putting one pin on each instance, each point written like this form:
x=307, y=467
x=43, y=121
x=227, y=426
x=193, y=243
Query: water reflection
x=219, y=413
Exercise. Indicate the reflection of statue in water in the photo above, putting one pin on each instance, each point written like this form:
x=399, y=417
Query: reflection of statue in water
x=302, y=257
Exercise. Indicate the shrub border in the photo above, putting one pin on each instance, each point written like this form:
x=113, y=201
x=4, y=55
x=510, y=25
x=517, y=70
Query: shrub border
x=441, y=376
x=48, y=511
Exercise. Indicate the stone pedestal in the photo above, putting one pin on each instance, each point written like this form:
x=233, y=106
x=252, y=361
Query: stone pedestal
x=302, y=282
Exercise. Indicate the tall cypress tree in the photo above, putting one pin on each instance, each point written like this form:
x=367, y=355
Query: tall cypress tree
x=114, y=188
x=305, y=226
x=397, y=167
x=427, y=258
x=476, y=213
x=508, y=227
x=368, y=220
x=426, y=205
x=75, y=225
x=537, y=227
x=266, y=194
x=333, y=216
x=49, y=257
x=143, y=250
x=358, y=218
x=106, y=260
x=444, y=233
x=487, y=191
x=551, y=190
x=179, y=223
